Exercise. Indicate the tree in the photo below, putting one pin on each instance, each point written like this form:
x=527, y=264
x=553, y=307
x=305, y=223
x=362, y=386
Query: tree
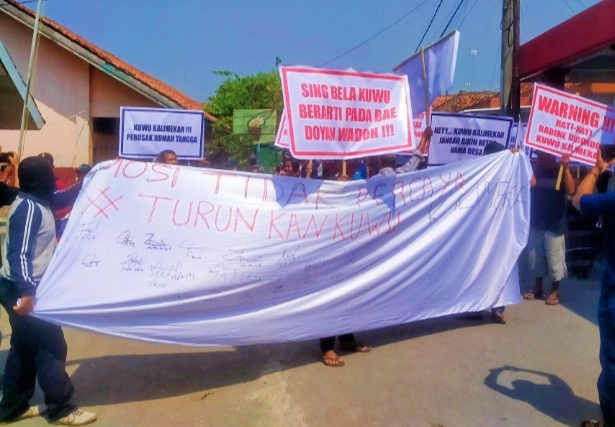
x=262, y=90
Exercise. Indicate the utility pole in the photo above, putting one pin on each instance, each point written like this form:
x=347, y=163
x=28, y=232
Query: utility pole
x=473, y=55
x=510, y=87
x=24, y=114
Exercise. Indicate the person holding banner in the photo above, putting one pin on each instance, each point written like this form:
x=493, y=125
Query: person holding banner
x=593, y=205
x=546, y=245
x=38, y=349
x=388, y=161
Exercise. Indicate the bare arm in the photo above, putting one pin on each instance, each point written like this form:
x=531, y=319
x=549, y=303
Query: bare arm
x=14, y=160
x=569, y=185
x=589, y=182
x=425, y=139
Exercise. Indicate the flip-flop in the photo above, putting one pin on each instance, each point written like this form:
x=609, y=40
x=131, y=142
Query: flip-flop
x=356, y=347
x=530, y=296
x=333, y=362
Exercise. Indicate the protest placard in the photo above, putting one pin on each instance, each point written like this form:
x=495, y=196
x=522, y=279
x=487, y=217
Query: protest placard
x=562, y=123
x=145, y=132
x=336, y=114
x=196, y=256
x=282, y=139
x=459, y=137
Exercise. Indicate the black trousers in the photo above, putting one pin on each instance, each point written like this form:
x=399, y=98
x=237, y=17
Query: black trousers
x=38, y=350
x=327, y=344
x=606, y=381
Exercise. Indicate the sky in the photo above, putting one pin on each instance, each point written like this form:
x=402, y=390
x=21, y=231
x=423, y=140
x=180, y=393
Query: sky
x=182, y=42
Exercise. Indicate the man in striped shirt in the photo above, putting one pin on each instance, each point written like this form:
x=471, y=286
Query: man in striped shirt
x=38, y=349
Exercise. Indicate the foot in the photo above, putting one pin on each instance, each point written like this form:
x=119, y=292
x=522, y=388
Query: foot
x=553, y=298
x=77, y=418
x=532, y=295
x=33, y=411
x=331, y=359
x=356, y=347
x=498, y=318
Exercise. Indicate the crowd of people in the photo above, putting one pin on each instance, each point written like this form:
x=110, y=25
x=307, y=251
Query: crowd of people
x=40, y=204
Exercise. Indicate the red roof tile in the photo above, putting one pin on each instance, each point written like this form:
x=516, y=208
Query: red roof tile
x=462, y=101
x=164, y=89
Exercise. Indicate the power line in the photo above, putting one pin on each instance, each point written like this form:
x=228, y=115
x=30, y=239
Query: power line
x=457, y=19
x=467, y=14
x=582, y=4
x=495, y=64
x=429, y=26
x=452, y=17
x=374, y=36
x=570, y=7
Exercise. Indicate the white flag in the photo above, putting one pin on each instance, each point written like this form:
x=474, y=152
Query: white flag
x=440, y=61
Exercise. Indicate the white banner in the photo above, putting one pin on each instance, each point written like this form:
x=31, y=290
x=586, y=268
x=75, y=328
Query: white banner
x=145, y=132
x=440, y=62
x=459, y=137
x=203, y=257
x=336, y=114
x=562, y=123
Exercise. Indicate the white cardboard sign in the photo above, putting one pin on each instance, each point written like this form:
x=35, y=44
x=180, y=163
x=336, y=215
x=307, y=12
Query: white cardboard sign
x=145, y=132
x=459, y=137
x=335, y=114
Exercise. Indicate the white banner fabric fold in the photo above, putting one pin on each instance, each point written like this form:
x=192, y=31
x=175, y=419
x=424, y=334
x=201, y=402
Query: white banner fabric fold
x=182, y=255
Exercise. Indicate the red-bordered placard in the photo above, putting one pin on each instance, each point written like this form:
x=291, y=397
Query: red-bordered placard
x=335, y=114
x=562, y=123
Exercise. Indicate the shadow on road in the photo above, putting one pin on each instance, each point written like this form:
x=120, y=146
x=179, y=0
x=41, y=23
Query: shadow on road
x=117, y=379
x=556, y=399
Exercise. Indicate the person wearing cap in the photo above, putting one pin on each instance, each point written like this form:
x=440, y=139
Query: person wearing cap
x=38, y=348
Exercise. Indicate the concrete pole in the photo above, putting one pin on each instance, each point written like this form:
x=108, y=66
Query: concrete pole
x=24, y=115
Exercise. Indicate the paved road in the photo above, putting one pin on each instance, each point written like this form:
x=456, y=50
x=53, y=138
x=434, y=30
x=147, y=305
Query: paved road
x=539, y=370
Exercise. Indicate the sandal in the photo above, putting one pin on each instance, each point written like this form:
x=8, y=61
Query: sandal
x=334, y=362
x=592, y=423
x=531, y=296
x=355, y=347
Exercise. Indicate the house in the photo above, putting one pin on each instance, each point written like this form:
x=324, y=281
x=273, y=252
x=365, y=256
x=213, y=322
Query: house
x=78, y=89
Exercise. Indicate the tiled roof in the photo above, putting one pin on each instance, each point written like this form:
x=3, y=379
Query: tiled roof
x=462, y=101
x=164, y=89
x=441, y=100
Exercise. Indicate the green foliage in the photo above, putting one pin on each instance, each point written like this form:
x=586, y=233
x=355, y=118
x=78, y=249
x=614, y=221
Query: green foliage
x=262, y=90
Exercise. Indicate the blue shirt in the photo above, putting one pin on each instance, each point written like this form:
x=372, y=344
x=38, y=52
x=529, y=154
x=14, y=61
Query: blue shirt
x=604, y=204
x=30, y=242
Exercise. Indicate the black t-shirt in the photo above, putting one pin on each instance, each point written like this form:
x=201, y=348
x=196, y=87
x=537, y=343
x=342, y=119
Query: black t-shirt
x=548, y=204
